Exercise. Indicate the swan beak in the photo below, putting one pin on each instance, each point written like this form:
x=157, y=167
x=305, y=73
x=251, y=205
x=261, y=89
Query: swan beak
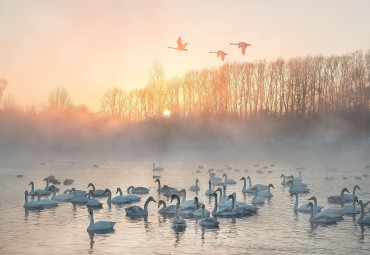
x=272, y=186
x=292, y=193
x=154, y=200
x=311, y=198
x=358, y=188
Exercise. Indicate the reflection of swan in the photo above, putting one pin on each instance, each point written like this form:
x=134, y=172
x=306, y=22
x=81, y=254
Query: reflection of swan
x=361, y=219
x=228, y=181
x=100, y=225
x=196, y=187
x=167, y=210
x=178, y=223
x=209, y=191
x=256, y=198
x=31, y=204
x=332, y=213
x=40, y=191
x=297, y=189
x=157, y=168
x=97, y=192
x=303, y=208
x=137, y=210
x=220, y=53
x=206, y=221
x=266, y=193
x=242, y=45
x=137, y=190
x=320, y=219
x=351, y=209
x=339, y=199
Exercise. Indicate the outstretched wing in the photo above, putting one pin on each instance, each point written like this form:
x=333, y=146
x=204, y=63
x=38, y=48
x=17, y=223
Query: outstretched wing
x=244, y=47
x=179, y=42
x=222, y=57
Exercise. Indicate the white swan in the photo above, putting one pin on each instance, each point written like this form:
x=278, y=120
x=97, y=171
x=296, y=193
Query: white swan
x=166, y=210
x=31, y=204
x=259, y=187
x=223, y=212
x=40, y=191
x=285, y=181
x=220, y=53
x=297, y=189
x=303, y=208
x=157, y=168
x=206, y=221
x=209, y=191
x=362, y=219
x=137, y=210
x=65, y=197
x=331, y=213
x=242, y=45
x=228, y=181
x=296, y=183
x=247, y=209
x=257, y=199
x=165, y=190
x=351, y=209
x=80, y=200
x=319, y=219
x=97, y=192
x=178, y=223
x=47, y=185
x=199, y=211
x=187, y=204
x=339, y=199
x=196, y=187
x=121, y=199
x=266, y=193
x=215, y=180
x=137, y=190
x=45, y=202
x=100, y=225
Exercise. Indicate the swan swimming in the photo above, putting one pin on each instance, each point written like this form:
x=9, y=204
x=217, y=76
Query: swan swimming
x=137, y=190
x=196, y=187
x=209, y=191
x=199, y=211
x=295, y=182
x=46, y=202
x=285, y=181
x=187, y=204
x=61, y=197
x=297, y=189
x=361, y=219
x=319, y=219
x=97, y=192
x=47, y=185
x=80, y=200
x=228, y=181
x=256, y=198
x=330, y=213
x=121, y=199
x=266, y=193
x=225, y=211
x=178, y=223
x=303, y=208
x=40, y=191
x=340, y=199
x=351, y=209
x=206, y=221
x=31, y=204
x=165, y=190
x=166, y=210
x=137, y=210
x=100, y=225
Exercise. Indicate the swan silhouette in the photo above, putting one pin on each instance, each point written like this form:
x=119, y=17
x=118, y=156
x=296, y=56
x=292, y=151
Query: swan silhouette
x=242, y=45
x=180, y=46
x=220, y=53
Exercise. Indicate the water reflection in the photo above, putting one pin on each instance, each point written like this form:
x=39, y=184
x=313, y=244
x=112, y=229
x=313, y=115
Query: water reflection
x=35, y=211
x=100, y=232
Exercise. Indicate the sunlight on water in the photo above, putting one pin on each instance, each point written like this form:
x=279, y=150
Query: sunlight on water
x=274, y=229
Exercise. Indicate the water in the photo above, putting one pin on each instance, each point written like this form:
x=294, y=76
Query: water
x=274, y=229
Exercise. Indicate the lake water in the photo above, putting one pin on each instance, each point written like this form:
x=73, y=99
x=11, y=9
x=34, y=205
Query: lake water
x=275, y=229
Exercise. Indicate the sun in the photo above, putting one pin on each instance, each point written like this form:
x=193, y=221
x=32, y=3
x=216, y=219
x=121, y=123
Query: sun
x=166, y=113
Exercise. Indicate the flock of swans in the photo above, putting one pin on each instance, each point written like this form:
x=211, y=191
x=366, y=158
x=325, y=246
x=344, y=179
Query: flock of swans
x=241, y=45
x=225, y=205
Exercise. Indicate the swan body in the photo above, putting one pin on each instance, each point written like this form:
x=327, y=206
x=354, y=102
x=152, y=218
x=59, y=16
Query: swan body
x=242, y=45
x=259, y=187
x=187, y=204
x=47, y=185
x=285, y=181
x=46, y=202
x=96, y=192
x=362, y=219
x=31, y=204
x=123, y=199
x=220, y=53
x=305, y=207
x=320, y=219
x=351, y=209
x=137, y=210
x=245, y=207
x=40, y=191
x=79, y=200
x=165, y=190
x=228, y=181
x=137, y=190
x=178, y=223
x=100, y=225
x=329, y=213
x=209, y=191
x=257, y=199
x=296, y=182
x=266, y=193
x=196, y=187
x=297, y=189
x=200, y=211
x=166, y=210
x=180, y=46
x=342, y=198
x=215, y=180
x=65, y=197
x=206, y=221
x=157, y=168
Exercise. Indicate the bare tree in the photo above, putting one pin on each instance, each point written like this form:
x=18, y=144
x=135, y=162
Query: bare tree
x=59, y=99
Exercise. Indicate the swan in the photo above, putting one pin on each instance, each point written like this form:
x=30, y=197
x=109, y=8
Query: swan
x=196, y=187
x=157, y=168
x=297, y=189
x=256, y=198
x=180, y=46
x=339, y=199
x=247, y=208
x=220, y=53
x=31, y=204
x=298, y=179
x=96, y=192
x=259, y=187
x=351, y=209
x=266, y=193
x=45, y=202
x=296, y=183
x=167, y=210
x=121, y=199
x=165, y=190
x=80, y=200
x=285, y=181
x=66, y=197
x=242, y=45
x=332, y=213
x=47, y=185
x=228, y=181
x=137, y=210
x=100, y=225
x=215, y=180
x=209, y=191
x=303, y=208
x=223, y=212
x=199, y=211
x=319, y=219
x=187, y=204
x=206, y=221
x=362, y=219
x=137, y=190
x=40, y=191
x=178, y=223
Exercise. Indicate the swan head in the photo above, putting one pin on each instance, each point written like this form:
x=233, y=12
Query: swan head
x=52, y=187
x=345, y=190
x=209, y=182
x=195, y=200
x=118, y=189
x=248, y=177
x=45, y=179
x=174, y=196
x=196, y=180
x=183, y=191
x=224, y=175
x=271, y=185
x=203, y=206
x=152, y=199
x=31, y=183
x=292, y=193
x=230, y=197
x=242, y=179
x=161, y=202
x=309, y=204
x=290, y=177
x=157, y=180
x=73, y=189
x=129, y=188
x=214, y=194
x=219, y=189
x=356, y=187
x=105, y=191
x=90, y=185
x=313, y=198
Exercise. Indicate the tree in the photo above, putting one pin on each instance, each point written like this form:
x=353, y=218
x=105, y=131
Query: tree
x=3, y=84
x=59, y=99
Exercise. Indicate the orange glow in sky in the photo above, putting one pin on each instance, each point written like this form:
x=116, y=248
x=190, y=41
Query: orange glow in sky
x=91, y=46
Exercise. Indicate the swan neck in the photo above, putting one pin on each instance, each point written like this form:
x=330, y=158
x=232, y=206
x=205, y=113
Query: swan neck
x=25, y=197
x=184, y=197
x=197, y=203
x=91, y=220
x=120, y=192
x=232, y=202
x=159, y=185
x=109, y=197
x=215, y=208
x=245, y=184
x=362, y=213
x=32, y=187
x=146, y=205
x=47, y=183
x=93, y=187
x=202, y=212
x=250, y=182
x=315, y=207
x=296, y=201
x=312, y=213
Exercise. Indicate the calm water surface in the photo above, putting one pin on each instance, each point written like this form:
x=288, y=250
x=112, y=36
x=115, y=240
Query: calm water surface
x=274, y=229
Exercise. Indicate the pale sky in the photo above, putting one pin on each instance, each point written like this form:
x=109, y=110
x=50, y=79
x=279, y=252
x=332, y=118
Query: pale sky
x=91, y=46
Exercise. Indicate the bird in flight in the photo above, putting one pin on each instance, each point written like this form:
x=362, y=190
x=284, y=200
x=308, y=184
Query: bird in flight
x=220, y=53
x=242, y=45
x=180, y=45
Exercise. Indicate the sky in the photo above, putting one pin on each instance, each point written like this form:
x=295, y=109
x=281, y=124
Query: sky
x=89, y=46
